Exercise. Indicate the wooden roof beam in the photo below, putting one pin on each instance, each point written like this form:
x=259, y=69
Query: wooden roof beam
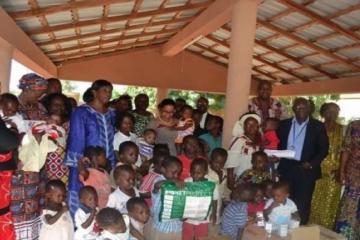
x=216, y=15
x=306, y=43
x=315, y=17
x=86, y=23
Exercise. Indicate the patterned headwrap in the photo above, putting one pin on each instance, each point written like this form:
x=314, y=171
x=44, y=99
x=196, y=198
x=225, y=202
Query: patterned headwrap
x=32, y=81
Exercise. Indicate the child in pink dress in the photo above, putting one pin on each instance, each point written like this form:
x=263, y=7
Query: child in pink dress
x=92, y=173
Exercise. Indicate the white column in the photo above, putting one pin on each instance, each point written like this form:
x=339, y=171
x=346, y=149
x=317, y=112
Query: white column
x=6, y=54
x=243, y=26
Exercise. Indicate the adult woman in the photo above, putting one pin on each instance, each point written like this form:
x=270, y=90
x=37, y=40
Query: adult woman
x=91, y=124
x=141, y=115
x=264, y=105
x=164, y=124
x=348, y=220
x=326, y=196
x=246, y=141
x=58, y=104
x=32, y=86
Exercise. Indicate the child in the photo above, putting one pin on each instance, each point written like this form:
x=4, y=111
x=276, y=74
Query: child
x=139, y=214
x=114, y=225
x=268, y=187
x=194, y=229
x=197, y=116
x=185, y=126
x=170, y=168
x=269, y=138
x=190, y=152
x=213, y=136
x=235, y=214
x=85, y=215
x=124, y=123
x=125, y=180
x=148, y=181
x=92, y=173
x=259, y=172
x=280, y=209
x=9, y=107
x=56, y=219
x=258, y=203
x=146, y=144
x=217, y=174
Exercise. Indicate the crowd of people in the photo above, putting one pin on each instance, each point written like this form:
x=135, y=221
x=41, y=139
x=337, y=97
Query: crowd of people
x=96, y=171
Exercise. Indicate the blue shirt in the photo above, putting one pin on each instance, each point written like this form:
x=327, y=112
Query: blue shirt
x=296, y=137
x=234, y=218
x=212, y=142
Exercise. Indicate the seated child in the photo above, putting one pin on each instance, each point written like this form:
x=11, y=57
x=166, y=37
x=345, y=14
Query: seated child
x=114, y=225
x=170, y=169
x=194, y=229
x=217, y=174
x=185, y=125
x=125, y=180
x=56, y=220
x=235, y=213
x=280, y=209
x=146, y=144
x=92, y=173
x=139, y=214
x=147, y=183
x=9, y=107
x=259, y=172
x=85, y=215
x=258, y=203
x=269, y=138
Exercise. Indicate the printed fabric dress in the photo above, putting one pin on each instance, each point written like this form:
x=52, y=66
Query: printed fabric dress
x=326, y=196
x=348, y=220
x=141, y=122
x=87, y=128
x=275, y=110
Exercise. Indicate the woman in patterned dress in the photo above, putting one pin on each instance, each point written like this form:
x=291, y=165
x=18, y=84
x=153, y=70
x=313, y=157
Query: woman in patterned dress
x=28, y=187
x=141, y=115
x=326, y=196
x=91, y=124
x=348, y=220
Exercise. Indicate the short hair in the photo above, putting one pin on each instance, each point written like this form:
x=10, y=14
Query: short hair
x=9, y=97
x=187, y=107
x=282, y=186
x=161, y=147
x=240, y=189
x=108, y=217
x=218, y=152
x=189, y=137
x=137, y=97
x=160, y=155
x=325, y=106
x=166, y=102
x=93, y=151
x=88, y=95
x=203, y=98
x=300, y=100
x=55, y=184
x=272, y=119
x=120, y=116
x=53, y=80
x=123, y=168
x=258, y=154
x=262, y=83
x=126, y=145
x=197, y=111
x=87, y=190
x=149, y=130
x=199, y=162
x=135, y=201
x=49, y=98
x=171, y=160
x=180, y=100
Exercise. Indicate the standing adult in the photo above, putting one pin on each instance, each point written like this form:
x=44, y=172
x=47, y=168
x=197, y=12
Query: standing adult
x=327, y=191
x=245, y=142
x=164, y=125
x=202, y=106
x=91, y=124
x=266, y=106
x=141, y=114
x=308, y=138
x=348, y=221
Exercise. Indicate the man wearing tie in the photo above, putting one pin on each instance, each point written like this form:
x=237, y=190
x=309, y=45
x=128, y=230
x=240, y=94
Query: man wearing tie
x=307, y=137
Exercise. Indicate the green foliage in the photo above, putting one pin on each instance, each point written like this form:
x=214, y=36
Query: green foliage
x=133, y=91
x=68, y=86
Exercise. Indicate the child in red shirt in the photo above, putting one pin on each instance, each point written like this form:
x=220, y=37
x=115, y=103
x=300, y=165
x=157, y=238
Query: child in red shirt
x=190, y=151
x=258, y=204
x=269, y=139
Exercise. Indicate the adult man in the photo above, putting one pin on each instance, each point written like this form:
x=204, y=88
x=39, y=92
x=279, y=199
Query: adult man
x=307, y=137
x=202, y=106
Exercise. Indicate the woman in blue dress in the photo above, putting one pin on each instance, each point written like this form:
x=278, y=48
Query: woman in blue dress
x=91, y=124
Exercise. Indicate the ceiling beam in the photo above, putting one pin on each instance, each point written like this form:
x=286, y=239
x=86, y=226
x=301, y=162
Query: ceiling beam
x=21, y=15
x=315, y=17
x=216, y=15
x=306, y=43
x=111, y=40
x=135, y=15
x=116, y=30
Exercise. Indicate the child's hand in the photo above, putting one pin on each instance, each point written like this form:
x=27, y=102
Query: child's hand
x=274, y=205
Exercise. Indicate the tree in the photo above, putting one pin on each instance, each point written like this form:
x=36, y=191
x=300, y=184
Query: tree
x=133, y=91
x=68, y=86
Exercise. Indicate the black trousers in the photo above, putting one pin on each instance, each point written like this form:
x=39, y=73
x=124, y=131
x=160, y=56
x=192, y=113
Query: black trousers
x=302, y=184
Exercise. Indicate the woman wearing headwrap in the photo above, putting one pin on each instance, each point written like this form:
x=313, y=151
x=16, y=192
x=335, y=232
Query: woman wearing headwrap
x=91, y=124
x=32, y=87
x=246, y=141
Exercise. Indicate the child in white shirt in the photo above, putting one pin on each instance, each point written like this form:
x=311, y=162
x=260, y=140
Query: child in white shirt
x=9, y=106
x=114, y=225
x=139, y=214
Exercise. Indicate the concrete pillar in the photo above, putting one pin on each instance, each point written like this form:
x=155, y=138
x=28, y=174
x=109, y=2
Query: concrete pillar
x=243, y=26
x=6, y=54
